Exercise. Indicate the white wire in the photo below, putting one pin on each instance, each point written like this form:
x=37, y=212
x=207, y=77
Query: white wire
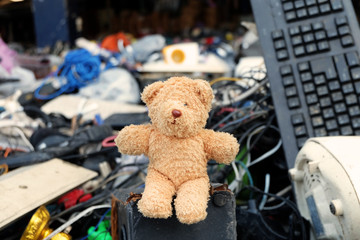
x=24, y=138
x=275, y=206
x=71, y=221
x=281, y=193
x=267, y=154
x=266, y=190
x=234, y=185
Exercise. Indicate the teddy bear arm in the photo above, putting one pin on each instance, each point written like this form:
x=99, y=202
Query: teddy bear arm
x=134, y=139
x=220, y=146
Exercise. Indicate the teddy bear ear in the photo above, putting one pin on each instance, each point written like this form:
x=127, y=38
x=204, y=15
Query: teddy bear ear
x=204, y=92
x=151, y=91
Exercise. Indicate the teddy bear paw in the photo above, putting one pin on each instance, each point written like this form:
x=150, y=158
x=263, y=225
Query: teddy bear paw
x=155, y=209
x=190, y=217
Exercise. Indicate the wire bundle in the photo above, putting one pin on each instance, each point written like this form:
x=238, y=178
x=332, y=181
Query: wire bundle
x=79, y=69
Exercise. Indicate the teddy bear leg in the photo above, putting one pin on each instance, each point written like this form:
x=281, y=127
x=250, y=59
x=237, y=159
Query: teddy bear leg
x=157, y=196
x=191, y=201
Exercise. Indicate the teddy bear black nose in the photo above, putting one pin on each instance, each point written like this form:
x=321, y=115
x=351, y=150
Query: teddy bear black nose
x=176, y=113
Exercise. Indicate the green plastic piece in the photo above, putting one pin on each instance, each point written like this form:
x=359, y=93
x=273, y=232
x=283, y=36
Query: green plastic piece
x=100, y=233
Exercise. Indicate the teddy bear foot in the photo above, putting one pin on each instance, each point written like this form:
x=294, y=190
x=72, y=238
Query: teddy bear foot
x=155, y=209
x=191, y=217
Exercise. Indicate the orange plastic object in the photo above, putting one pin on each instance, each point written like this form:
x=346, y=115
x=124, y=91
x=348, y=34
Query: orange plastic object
x=111, y=42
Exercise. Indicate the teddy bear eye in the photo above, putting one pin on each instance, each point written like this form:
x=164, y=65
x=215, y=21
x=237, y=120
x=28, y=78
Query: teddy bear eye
x=185, y=104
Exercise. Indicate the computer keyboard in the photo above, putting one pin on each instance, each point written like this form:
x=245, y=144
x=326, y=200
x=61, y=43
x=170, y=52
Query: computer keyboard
x=311, y=52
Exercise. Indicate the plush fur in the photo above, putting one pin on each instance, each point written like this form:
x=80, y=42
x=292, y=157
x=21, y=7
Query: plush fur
x=178, y=147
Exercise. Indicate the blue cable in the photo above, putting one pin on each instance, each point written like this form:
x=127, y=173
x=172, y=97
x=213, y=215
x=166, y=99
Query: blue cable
x=78, y=70
x=97, y=225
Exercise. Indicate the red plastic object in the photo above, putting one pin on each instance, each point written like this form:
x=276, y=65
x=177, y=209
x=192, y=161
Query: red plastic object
x=111, y=42
x=72, y=198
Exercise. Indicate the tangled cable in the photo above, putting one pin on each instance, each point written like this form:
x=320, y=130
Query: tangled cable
x=79, y=69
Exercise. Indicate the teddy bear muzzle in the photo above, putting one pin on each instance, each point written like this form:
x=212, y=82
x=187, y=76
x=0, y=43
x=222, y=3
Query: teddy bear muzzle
x=176, y=113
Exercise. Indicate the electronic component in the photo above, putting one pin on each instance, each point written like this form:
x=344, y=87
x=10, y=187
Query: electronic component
x=327, y=189
x=131, y=224
x=311, y=52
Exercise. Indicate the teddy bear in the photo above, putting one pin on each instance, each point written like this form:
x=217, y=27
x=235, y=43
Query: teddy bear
x=178, y=147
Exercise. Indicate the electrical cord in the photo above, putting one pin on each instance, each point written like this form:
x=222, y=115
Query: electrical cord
x=266, y=190
x=291, y=204
x=79, y=69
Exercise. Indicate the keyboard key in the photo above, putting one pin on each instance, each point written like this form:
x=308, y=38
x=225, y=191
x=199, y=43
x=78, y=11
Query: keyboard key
x=296, y=40
x=290, y=16
x=294, y=31
x=300, y=142
x=288, y=6
x=357, y=87
x=311, y=99
x=318, y=26
x=285, y=70
x=305, y=28
x=293, y=102
x=310, y=2
x=322, y=1
x=282, y=55
x=322, y=91
x=305, y=77
x=320, y=132
x=297, y=119
x=277, y=34
x=341, y=66
x=342, y=20
x=325, y=8
x=313, y=11
x=351, y=99
x=323, y=46
x=354, y=111
x=301, y=13
x=320, y=35
x=317, y=121
x=347, y=88
x=334, y=133
x=290, y=91
x=329, y=113
x=340, y=107
x=311, y=48
x=344, y=30
x=299, y=51
x=309, y=37
x=300, y=131
x=355, y=73
x=337, y=96
x=324, y=65
x=355, y=122
x=314, y=109
x=347, y=41
x=352, y=59
x=288, y=81
x=334, y=85
x=299, y=4
x=303, y=66
x=309, y=87
x=325, y=102
x=346, y=131
x=336, y=5
x=343, y=119
x=319, y=79
x=279, y=44
x=331, y=124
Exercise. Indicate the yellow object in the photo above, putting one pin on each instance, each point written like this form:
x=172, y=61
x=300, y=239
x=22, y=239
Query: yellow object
x=178, y=56
x=37, y=228
x=61, y=236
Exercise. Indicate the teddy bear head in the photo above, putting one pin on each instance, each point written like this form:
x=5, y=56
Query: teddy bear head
x=178, y=107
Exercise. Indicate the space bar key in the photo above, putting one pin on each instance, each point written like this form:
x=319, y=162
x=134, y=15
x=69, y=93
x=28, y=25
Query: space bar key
x=324, y=65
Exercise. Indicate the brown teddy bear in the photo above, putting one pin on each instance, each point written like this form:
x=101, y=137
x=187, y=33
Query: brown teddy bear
x=178, y=148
